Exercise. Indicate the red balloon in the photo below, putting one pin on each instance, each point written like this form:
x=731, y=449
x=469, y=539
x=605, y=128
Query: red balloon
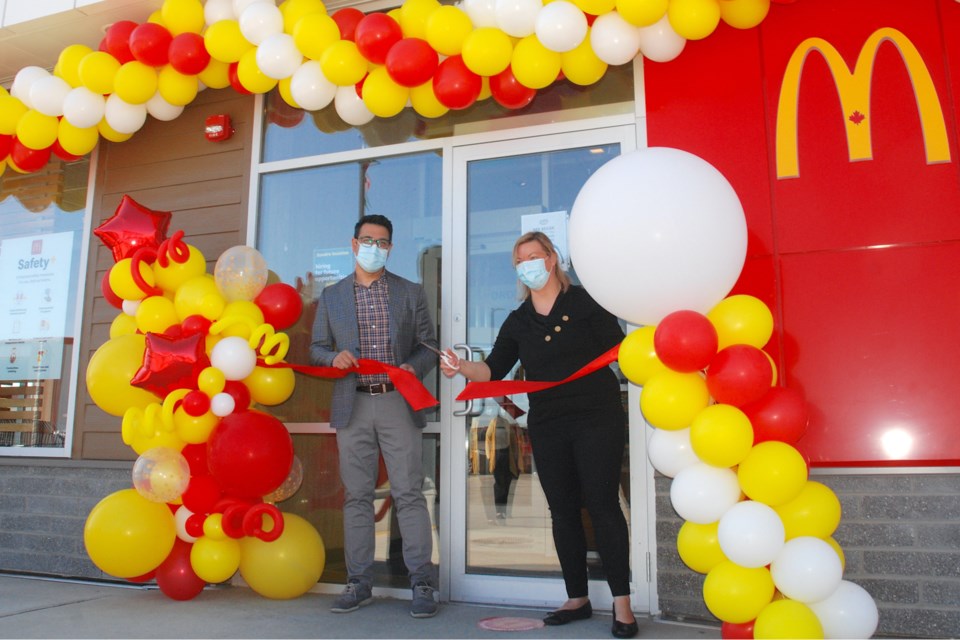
x=175, y=575
x=150, y=44
x=196, y=403
x=412, y=62
x=62, y=153
x=375, y=34
x=347, y=20
x=108, y=294
x=6, y=144
x=280, y=303
x=235, y=79
x=737, y=631
x=27, y=159
x=131, y=227
x=240, y=394
x=195, y=324
x=508, y=92
x=187, y=53
x=171, y=363
x=194, y=525
x=781, y=414
x=739, y=374
x=685, y=341
x=117, y=40
x=455, y=86
x=202, y=492
x=249, y=453
x=196, y=456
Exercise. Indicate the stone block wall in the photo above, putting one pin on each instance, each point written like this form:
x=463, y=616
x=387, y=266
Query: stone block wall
x=900, y=534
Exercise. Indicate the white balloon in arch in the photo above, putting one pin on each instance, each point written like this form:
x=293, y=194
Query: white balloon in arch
x=655, y=231
x=848, y=612
x=659, y=42
x=751, y=534
x=310, y=88
x=561, y=26
x=670, y=452
x=807, y=569
x=350, y=107
x=614, y=40
x=278, y=56
x=48, y=93
x=83, y=108
x=702, y=494
x=482, y=13
x=123, y=116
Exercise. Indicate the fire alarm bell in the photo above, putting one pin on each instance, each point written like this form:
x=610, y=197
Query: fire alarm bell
x=218, y=128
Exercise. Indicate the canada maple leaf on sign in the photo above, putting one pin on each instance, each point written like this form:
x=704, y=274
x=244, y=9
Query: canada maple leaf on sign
x=856, y=117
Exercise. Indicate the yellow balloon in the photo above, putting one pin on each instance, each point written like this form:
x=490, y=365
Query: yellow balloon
x=270, y=386
x=135, y=82
x=295, y=10
x=741, y=319
x=170, y=277
x=641, y=13
x=199, y=296
x=36, y=130
x=787, y=619
x=343, y=64
x=216, y=74
x=11, y=111
x=773, y=473
x=425, y=102
x=127, y=535
x=737, y=594
x=384, y=97
x=671, y=400
x=122, y=283
x=487, y=51
x=289, y=566
x=595, y=7
x=446, y=29
x=213, y=527
x=814, y=512
x=112, y=134
x=251, y=77
x=637, y=357
x=215, y=560
x=156, y=314
x=176, y=88
x=211, y=381
x=313, y=33
x=243, y=309
x=721, y=435
x=97, y=71
x=533, y=65
x=123, y=325
x=485, y=91
x=744, y=14
x=77, y=140
x=414, y=15
x=283, y=86
x=68, y=63
x=699, y=546
x=194, y=429
x=581, y=65
x=225, y=42
x=694, y=19
x=182, y=16
x=110, y=370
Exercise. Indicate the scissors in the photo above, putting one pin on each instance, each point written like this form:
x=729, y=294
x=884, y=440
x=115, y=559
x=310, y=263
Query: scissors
x=447, y=360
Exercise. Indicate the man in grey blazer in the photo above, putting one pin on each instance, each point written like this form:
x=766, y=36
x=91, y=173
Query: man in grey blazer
x=377, y=315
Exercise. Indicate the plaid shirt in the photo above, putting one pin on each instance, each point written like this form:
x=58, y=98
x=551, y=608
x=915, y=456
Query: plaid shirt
x=373, y=320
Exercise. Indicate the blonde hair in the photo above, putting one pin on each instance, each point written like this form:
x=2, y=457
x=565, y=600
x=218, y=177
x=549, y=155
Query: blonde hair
x=540, y=237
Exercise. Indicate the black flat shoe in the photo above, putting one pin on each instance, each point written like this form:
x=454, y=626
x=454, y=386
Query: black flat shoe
x=563, y=616
x=624, y=629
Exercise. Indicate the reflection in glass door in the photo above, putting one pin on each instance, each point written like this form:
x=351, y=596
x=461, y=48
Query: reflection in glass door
x=500, y=516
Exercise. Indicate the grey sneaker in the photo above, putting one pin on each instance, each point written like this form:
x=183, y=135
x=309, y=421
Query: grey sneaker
x=423, y=605
x=354, y=596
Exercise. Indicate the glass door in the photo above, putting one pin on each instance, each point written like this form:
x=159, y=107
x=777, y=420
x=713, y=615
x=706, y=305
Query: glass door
x=501, y=539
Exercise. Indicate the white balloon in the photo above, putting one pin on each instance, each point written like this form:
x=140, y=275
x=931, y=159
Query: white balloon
x=686, y=229
x=659, y=42
x=482, y=13
x=614, y=40
x=518, y=18
x=670, y=452
x=310, y=88
x=561, y=26
x=751, y=534
x=48, y=94
x=217, y=10
x=239, y=6
x=350, y=107
x=702, y=494
x=848, y=612
x=83, y=108
x=259, y=21
x=180, y=517
x=20, y=89
x=130, y=307
x=222, y=404
x=807, y=569
x=234, y=357
x=161, y=109
x=278, y=56
x=123, y=116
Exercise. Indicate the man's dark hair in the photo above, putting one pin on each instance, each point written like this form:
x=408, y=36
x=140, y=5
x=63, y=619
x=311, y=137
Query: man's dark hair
x=377, y=219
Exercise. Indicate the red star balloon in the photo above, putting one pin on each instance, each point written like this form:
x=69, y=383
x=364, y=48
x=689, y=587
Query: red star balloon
x=171, y=363
x=131, y=227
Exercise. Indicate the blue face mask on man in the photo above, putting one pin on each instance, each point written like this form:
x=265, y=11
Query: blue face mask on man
x=371, y=258
x=533, y=273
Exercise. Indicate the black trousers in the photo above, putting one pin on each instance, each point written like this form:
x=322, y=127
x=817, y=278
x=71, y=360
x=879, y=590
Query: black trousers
x=502, y=479
x=578, y=463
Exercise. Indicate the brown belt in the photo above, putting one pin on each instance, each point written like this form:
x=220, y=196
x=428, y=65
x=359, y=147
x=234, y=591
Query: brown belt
x=376, y=389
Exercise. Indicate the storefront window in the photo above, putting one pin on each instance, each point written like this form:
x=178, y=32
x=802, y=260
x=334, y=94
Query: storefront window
x=41, y=233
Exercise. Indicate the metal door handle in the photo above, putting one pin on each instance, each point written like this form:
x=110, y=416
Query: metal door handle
x=468, y=352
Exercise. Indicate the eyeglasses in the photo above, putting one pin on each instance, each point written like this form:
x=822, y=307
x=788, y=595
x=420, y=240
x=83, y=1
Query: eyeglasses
x=367, y=241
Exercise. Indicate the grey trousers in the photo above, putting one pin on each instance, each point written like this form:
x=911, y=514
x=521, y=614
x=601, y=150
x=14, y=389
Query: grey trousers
x=382, y=424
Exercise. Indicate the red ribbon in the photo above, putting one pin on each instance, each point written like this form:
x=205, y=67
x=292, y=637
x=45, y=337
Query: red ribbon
x=494, y=388
x=412, y=390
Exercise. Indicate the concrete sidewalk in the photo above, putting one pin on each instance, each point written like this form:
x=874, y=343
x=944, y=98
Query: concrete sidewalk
x=45, y=608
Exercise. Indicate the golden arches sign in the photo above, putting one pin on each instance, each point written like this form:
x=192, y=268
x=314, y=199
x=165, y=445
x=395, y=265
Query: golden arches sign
x=853, y=90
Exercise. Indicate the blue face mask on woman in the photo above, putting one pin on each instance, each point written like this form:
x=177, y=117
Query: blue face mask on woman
x=533, y=273
x=371, y=258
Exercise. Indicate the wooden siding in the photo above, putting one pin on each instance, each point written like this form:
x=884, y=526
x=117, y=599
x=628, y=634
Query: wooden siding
x=166, y=166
